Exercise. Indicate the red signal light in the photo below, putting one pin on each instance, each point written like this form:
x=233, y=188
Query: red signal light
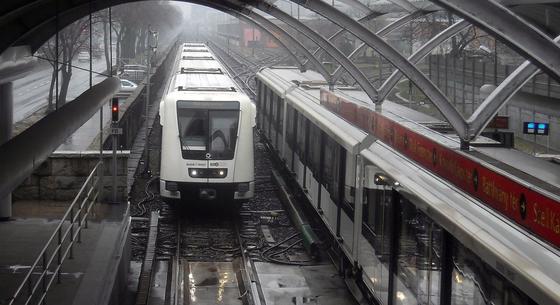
x=115, y=109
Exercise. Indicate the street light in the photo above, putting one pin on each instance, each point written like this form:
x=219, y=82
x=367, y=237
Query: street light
x=151, y=50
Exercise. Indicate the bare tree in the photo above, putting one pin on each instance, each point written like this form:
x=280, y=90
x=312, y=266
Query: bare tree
x=70, y=41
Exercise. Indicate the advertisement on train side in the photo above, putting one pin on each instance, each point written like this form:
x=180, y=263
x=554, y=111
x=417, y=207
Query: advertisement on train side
x=532, y=209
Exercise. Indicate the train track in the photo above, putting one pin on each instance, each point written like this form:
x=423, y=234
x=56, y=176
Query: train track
x=206, y=255
x=243, y=69
x=193, y=241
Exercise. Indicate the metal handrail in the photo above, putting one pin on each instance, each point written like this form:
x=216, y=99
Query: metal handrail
x=62, y=239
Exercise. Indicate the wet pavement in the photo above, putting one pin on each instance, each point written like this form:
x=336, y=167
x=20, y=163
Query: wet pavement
x=317, y=285
x=31, y=92
x=206, y=283
x=87, y=276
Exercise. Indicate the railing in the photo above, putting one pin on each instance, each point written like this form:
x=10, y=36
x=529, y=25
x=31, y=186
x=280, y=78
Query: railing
x=36, y=284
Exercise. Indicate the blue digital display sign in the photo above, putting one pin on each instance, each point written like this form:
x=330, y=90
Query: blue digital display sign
x=536, y=128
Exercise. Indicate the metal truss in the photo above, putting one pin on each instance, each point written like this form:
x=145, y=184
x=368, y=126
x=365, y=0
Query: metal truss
x=310, y=58
x=409, y=7
x=501, y=95
x=366, y=18
x=278, y=36
x=420, y=54
x=511, y=29
x=358, y=5
x=276, y=33
x=492, y=16
x=383, y=32
x=398, y=60
x=358, y=76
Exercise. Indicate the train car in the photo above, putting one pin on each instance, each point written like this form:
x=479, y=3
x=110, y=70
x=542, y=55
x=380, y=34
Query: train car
x=415, y=219
x=207, y=133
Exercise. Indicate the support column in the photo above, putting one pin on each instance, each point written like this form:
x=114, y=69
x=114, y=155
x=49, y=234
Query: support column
x=6, y=126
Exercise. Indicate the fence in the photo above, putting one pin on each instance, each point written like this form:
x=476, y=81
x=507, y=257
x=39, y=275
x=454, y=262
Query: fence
x=60, y=246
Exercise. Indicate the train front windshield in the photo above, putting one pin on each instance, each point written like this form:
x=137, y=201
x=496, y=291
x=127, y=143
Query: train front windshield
x=208, y=130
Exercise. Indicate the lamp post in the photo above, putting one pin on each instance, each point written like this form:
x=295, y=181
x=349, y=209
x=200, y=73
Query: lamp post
x=152, y=48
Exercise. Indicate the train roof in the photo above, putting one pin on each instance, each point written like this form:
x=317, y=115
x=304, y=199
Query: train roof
x=527, y=261
x=305, y=101
x=202, y=78
x=194, y=44
x=532, y=171
x=204, y=82
x=195, y=49
x=197, y=56
x=200, y=65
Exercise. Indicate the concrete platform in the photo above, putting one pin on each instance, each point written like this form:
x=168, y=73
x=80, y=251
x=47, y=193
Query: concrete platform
x=98, y=272
x=316, y=285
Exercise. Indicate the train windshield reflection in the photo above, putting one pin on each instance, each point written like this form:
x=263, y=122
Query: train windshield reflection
x=208, y=130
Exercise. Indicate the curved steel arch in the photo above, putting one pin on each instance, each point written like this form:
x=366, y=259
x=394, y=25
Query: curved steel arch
x=501, y=95
x=384, y=31
x=358, y=5
x=360, y=78
x=264, y=28
x=421, y=53
x=511, y=29
x=69, y=11
x=366, y=18
x=314, y=61
x=400, y=62
x=45, y=28
x=280, y=36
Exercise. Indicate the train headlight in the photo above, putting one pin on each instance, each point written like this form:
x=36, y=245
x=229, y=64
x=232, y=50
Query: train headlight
x=221, y=173
x=194, y=173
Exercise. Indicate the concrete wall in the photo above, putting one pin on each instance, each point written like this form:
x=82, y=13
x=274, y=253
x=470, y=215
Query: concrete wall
x=62, y=175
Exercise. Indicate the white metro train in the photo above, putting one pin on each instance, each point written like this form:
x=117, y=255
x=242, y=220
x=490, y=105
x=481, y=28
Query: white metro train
x=417, y=220
x=207, y=132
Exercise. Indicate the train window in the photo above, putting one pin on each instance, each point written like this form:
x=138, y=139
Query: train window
x=208, y=131
x=274, y=110
x=331, y=168
x=280, y=111
x=272, y=107
x=223, y=134
x=417, y=280
x=313, y=156
x=266, y=101
x=260, y=88
x=301, y=130
x=193, y=129
x=290, y=113
x=475, y=283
